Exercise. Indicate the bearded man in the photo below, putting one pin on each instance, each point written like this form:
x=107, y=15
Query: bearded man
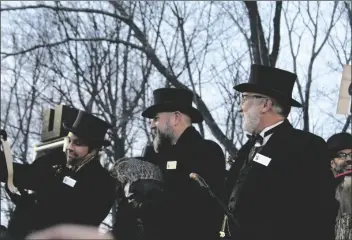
x=70, y=187
x=340, y=153
x=190, y=213
x=280, y=185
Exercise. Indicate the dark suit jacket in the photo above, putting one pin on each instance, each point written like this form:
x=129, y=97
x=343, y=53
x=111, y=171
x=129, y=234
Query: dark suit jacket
x=87, y=202
x=190, y=211
x=292, y=197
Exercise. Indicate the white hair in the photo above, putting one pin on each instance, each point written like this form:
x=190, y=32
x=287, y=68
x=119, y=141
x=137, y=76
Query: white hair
x=276, y=107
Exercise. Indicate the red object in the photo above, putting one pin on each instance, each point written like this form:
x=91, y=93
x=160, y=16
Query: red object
x=343, y=174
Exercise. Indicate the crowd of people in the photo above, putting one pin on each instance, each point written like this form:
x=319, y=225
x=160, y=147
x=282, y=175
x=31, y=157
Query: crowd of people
x=283, y=183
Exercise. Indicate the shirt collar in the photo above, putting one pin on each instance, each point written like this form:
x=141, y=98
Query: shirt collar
x=262, y=133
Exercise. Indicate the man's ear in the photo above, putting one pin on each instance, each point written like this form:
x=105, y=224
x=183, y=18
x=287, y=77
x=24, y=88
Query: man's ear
x=177, y=117
x=267, y=105
x=332, y=164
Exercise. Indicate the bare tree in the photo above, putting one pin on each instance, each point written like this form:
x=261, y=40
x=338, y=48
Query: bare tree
x=107, y=57
x=86, y=71
x=341, y=48
x=258, y=44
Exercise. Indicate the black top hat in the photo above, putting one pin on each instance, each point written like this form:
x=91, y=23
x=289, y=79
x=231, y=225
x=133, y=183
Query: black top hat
x=90, y=128
x=173, y=99
x=273, y=82
x=338, y=142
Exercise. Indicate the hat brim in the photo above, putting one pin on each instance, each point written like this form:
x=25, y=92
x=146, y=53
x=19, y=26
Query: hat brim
x=192, y=112
x=249, y=87
x=103, y=142
x=342, y=145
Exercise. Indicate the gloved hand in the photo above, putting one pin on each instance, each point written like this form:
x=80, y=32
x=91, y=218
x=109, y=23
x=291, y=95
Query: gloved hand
x=3, y=168
x=3, y=134
x=146, y=197
x=23, y=199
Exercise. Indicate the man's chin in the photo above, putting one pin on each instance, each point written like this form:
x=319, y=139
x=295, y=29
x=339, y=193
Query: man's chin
x=72, y=161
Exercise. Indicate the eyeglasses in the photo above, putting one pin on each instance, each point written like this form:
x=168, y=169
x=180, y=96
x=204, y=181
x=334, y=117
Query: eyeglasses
x=344, y=155
x=247, y=97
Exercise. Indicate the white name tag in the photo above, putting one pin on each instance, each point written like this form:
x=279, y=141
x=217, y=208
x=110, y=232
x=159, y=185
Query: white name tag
x=262, y=159
x=171, y=165
x=69, y=181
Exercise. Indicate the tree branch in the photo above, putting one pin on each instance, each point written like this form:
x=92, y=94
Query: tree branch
x=347, y=124
x=260, y=50
x=49, y=45
x=276, y=43
x=66, y=9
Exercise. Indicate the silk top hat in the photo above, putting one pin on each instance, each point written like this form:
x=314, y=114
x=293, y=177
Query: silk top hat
x=338, y=142
x=89, y=127
x=272, y=82
x=173, y=99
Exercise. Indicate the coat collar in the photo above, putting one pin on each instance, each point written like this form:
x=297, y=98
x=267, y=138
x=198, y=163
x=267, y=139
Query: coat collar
x=277, y=139
x=189, y=135
x=273, y=142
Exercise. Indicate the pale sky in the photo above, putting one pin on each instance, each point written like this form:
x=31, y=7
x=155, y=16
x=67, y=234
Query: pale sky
x=326, y=81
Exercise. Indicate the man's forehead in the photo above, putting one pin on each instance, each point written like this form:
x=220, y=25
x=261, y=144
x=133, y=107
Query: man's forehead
x=253, y=93
x=74, y=136
x=159, y=114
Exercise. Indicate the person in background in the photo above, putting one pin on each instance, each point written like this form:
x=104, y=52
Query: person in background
x=340, y=153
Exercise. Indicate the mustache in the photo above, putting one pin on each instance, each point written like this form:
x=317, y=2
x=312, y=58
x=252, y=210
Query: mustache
x=348, y=163
x=154, y=131
x=70, y=152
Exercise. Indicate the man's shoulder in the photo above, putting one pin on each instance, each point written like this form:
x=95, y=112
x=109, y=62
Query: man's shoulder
x=210, y=145
x=100, y=172
x=304, y=137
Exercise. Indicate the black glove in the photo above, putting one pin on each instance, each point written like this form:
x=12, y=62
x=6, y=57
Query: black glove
x=3, y=167
x=24, y=199
x=147, y=196
x=3, y=134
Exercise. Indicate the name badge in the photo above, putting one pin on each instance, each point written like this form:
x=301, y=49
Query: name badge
x=171, y=165
x=69, y=181
x=262, y=159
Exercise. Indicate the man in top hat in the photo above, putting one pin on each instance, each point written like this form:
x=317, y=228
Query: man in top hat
x=279, y=186
x=70, y=186
x=190, y=212
x=340, y=153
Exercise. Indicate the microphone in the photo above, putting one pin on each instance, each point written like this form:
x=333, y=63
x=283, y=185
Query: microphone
x=202, y=183
x=199, y=180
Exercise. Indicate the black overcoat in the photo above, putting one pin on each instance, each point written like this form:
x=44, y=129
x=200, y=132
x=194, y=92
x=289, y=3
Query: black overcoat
x=190, y=212
x=290, y=198
x=85, y=198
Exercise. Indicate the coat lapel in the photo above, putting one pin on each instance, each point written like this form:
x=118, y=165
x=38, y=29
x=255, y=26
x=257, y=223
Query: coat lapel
x=273, y=146
x=271, y=149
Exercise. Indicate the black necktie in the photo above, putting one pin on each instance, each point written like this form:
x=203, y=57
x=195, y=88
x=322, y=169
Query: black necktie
x=257, y=138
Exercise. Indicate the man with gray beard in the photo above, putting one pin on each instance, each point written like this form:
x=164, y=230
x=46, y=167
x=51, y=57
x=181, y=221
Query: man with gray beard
x=190, y=213
x=340, y=153
x=279, y=186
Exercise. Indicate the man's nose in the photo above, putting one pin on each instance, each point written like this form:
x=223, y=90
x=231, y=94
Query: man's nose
x=69, y=146
x=152, y=124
